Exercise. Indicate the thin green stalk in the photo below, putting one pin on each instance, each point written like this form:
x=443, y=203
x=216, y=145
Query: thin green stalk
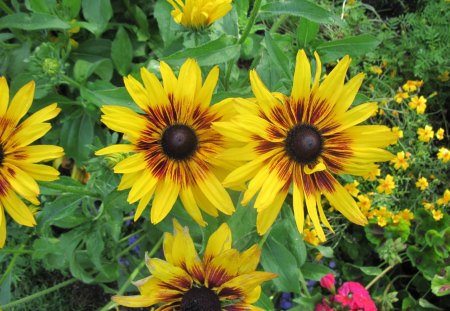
x=133, y=275
x=11, y=265
x=263, y=239
x=303, y=283
x=278, y=23
x=71, y=189
x=5, y=7
x=16, y=251
x=379, y=277
x=39, y=294
x=129, y=248
x=72, y=82
x=130, y=235
x=247, y=29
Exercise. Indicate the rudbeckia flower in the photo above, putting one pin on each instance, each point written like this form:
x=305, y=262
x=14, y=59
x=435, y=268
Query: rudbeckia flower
x=223, y=280
x=303, y=140
x=198, y=14
x=18, y=168
x=173, y=152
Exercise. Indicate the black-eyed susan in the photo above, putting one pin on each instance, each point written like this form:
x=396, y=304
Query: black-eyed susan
x=173, y=150
x=224, y=279
x=18, y=168
x=303, y=140
x=198, y=14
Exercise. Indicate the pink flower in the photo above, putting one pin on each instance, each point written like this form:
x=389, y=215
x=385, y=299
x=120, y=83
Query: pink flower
x=355, y=296
x=328, y=281
x=323, y=306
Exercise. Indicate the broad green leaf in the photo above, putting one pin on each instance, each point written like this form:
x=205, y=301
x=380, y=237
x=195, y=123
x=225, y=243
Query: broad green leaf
x=97, y=13
x=440, y=284
x=95, y=247
x=276, y=258
x=61, y=208
x=78, y=271
x=370, y=270
x=141, y=19
x=35, y=21
x=84, y=69
x=314, y=271
x=73, y=7
x=168, y=29
x=104, y=93
x=426, y=304
x=5, y=290
x=122, y=52
x=306, y=32
x=92, y=50
x=277, y=55
x=301, y=8
x=42, y=6
x=352, y=46
x=212, y=53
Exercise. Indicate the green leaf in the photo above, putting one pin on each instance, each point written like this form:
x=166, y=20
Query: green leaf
x=104, y=93
x=371, y=270
x=92, y=50
x=42, y=6
x=97, y=13
x=314, y=271
x=277, y=55
x=168, y=29
x=301, y=8
x=64, y=206
x=440, y=284
x=352, y=46
x=212, y=53
x=95, y=247
x=426, y=304
x=276, y=258
x=306, y=32
x=122, y=52
x=141, y=19
x=73, y=7
x=77, y=133
x=35, y=21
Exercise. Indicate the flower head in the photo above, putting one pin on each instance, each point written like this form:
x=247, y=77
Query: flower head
x=303, y=140
x=364, y=203
x=224, y=279
x=440, y=134
x=400, y=96
x=386, y=184
x=422, y=183
x=401, y=160
x=175, y=152
x=19, y=170
x=412, y=85
x=355, y=296
x=397, y=132
x=437, y=214
x=352, y=188
x=418, y=103
x=443, y=154
x=425, y=134
x=198, y=14
x=376, y=70
x=327, y=281
x=445, y=198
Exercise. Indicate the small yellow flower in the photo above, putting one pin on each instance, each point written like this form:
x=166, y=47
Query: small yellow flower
x=445, y=198
x=373, y=174
x=198, y=14
x=412, y=85
x=437, y=214
x=310, y=236
x=397, y=132
x=440, y=134
x=406, y=215
x=401, y=160
x=418, y=103
x=422, y=183
x=376, y=70
x=382, y=222
x=364, y=203
x=425, y=134
x=444, y=77
x=443, y=154
x=352, y=188
x=400, y=96
x=386, y=185
x=351, y=2
x=428, y=206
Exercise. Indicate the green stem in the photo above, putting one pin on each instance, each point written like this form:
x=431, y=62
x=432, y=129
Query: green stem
x=5, y=7
x=303, y=283
x=263, y=239
x=11, y=265
x=39, y=294
x=16, y=251
x=133, y=275
x=247, y=29
x=72, y=82
x=71, y=189
x=129, y=248
x=379, y=277
x=130, y=235
x=278, y=23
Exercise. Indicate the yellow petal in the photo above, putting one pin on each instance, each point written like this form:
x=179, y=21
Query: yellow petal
x=134, y=301
x=166, y=194
x=189, y=82
x=298, y=201
x=4, y=98
x=144, y=184
x=137, y=92
x=169, y=78
x=2, y=227
x=266, y=218
x=17, y=209
x=156, y=93
x=216, y=194
x=40, y=153
x=115, y=149
x=318, y=72
x=133, y=163
x=205, y=93
x=144, y=202
x=354, y=116
x=218, y=242
x=269, y=191
x=21, y=102
x=348, y=94
x=311, y=206
x=190, y=205
x=302, y=78
x=42, y=115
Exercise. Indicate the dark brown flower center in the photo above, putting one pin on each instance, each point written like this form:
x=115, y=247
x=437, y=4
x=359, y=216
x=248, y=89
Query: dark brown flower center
x=303, y=143
x=200, y=299
x=179, y=142
x=2, y=154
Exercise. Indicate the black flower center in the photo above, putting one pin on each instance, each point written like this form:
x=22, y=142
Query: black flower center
x=303, y=143
x=200, y=299
x=2, y=154
x=179, y=142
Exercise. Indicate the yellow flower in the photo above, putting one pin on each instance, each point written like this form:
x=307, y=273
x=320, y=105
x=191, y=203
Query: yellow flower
x=428, y=206
x=352, y=188
x=304, y=140
x=443, y=154
x=418, y=103
x=437, y=214
x=173, y=151
x=386, y=185
x=425, y=134
x=373, y=174
x=397, y=132
x=364, y=203
x=376, y=70
x=440, y=134
x=198, y=14
x=401, y=160
x=406, y=215
x=224, y=280
x=412, y=85
x=400, y=96
x=19, y=170
x=422, y=183
x=445, y=198
x=381, y=221
x=310, y=236
x=444, y=77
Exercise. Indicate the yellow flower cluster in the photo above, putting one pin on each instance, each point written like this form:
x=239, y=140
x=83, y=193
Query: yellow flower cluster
x=437, y=214
x=400, y=96
x=412, y=85
x=386, y=184
x=384, y=217
x=310, y=234
x=445, y=198
x=401, y=160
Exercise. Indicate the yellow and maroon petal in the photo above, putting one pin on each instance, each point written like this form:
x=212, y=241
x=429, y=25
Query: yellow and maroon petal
x=21, y=103
x=218, y=242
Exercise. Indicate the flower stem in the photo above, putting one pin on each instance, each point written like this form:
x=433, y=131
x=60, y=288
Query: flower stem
x=5, y=7
x=245, y=33
x=133, y=275
x=71, y=189
x=11, y=264
x=379, y=277
x=39, y=294
x=303, y=283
